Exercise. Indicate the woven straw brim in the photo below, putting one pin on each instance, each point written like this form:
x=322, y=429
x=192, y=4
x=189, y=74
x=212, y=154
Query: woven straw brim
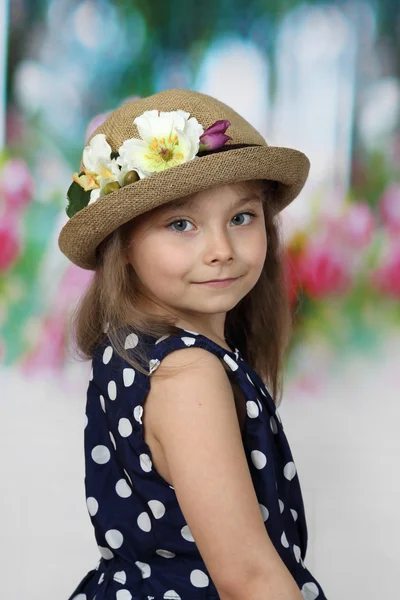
x=82, y=234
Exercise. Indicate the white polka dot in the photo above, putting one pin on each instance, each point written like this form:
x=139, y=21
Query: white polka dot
x=145, y=462
x=101, y=454
x=263, y=393
x=131, y=341
x=264, y=512
x=157, y=508
x=112, y=440
x=258, y=458
x=144, y=522
x=103, y=406
x=165, y=553
x=163, y=337
x=230, y=362
x=284, y=540
x=297, y=552
x=252, y=409
x=128, y=476
x=259, y=404
x=138, y=412
x=281, y=505
x=289, y=470
x=274, y=426
x=144, y=567
x=187, y=534
x=124, y=427
x=107, y=354
x=128, y=377
x=85, y=421
x=106, y=553
x=122, y=488
x=310, y=591
x=112, y=390
x=114, y=538
x=188, y=341
x=106, y=327
x=153, y=364
x=101, y=579
x=249, y=378
x=198, y=578
x=120, y=576
x=92, y=505
x=294, y=514
x=124, y=595
x=169, y=595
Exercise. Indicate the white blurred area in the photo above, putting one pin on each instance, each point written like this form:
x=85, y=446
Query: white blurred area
x=343, y=433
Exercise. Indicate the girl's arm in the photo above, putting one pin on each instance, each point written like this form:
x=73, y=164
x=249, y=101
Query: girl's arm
x=192, y=415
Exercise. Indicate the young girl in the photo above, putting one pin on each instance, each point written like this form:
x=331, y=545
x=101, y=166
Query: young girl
x=190, y=483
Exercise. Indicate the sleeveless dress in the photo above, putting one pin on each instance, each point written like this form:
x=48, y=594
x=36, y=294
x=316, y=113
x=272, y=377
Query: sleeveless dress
x=146, y=547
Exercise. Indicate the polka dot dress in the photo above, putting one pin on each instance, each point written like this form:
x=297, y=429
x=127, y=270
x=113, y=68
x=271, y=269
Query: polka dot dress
x=147, y=549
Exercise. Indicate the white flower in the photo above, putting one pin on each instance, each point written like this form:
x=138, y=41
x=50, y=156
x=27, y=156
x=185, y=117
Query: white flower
x=168, y=139
x=99, y=168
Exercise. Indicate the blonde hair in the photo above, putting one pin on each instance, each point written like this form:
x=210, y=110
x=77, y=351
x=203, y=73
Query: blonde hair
x=259, y=325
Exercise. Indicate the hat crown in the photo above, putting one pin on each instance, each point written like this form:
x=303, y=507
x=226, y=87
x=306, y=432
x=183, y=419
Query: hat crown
x=119, y=125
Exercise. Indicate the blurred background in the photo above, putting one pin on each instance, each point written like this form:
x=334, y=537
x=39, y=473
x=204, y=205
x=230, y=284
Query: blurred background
x=323, y=77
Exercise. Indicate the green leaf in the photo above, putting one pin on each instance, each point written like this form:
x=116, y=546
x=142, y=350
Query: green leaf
x=77, y=199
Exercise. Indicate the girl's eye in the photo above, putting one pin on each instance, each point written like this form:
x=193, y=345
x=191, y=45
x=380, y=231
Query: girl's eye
x=170, y=226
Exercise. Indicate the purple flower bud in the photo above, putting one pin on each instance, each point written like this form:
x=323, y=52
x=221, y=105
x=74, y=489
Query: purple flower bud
x=214, y=137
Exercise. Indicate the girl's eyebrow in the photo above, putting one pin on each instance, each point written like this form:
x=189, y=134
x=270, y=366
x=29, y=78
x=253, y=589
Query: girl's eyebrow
x=192, y=203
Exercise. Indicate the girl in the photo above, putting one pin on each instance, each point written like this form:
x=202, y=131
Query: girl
x=190, y=483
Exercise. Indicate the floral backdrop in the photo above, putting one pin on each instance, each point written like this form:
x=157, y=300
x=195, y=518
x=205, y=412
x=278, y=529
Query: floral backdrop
x=323, y=77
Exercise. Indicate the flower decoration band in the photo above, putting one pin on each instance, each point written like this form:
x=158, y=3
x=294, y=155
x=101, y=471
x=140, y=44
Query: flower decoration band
x=166, y=139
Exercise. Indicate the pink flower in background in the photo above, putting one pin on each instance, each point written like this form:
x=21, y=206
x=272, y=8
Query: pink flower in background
x=72, y=285
x=10, y=247
x=95, y=123
x=16, y=184
x=49, y=353
x=100, y=118
x=353, y=228
x=386, y=278
x=389, y=207
x=323, y=271
x=49, y=350
x=358, y=225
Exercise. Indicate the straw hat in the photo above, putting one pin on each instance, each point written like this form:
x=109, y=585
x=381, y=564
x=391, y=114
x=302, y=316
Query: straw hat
x=243, y=154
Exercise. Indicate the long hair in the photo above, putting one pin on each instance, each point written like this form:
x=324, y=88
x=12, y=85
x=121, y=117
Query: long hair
x=259, y=325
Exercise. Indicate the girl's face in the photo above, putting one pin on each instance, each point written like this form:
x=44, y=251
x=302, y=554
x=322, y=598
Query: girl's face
x=217, y=233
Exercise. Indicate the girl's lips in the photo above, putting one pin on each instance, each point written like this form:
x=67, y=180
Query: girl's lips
x=219, y=283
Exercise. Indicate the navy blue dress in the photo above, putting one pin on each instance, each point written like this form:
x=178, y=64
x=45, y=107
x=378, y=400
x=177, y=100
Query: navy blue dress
x=147, y=549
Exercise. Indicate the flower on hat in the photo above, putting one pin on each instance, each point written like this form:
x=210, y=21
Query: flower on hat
x=167, y=139
x=214, y=137
x=99, y=169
